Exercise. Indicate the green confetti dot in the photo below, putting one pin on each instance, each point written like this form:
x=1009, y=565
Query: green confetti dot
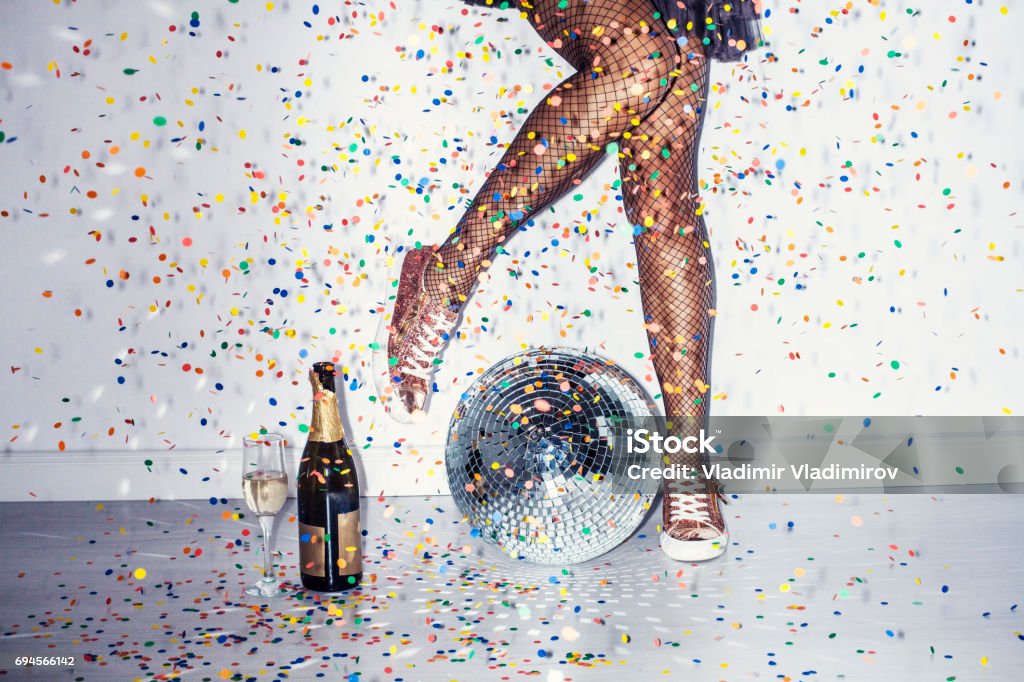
x=960, y=470
x=159, y=121
x=303, y=428
x=612, y=148
x=831, y=375
x=244, y=265
x=895, y=364
x=586, y=531
x=130, y=72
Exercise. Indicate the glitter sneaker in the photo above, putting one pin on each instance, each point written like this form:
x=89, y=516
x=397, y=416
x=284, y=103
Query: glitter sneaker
x=413, y=332
x=692, y=526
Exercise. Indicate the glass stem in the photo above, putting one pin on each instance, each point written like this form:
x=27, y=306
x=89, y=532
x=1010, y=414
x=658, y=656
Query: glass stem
x=266, y=522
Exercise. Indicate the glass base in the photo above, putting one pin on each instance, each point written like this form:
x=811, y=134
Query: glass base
x=267, y=589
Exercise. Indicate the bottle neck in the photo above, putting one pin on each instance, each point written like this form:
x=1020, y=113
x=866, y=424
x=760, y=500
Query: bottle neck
x=325, y=427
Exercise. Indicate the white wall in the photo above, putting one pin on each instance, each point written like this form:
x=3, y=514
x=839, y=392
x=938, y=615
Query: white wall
x=367, y=111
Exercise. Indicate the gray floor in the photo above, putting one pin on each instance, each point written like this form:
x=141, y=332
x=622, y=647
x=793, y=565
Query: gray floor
x=862, y=588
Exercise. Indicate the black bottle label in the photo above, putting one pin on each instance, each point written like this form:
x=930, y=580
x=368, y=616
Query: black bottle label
x=311, y=550
x=350, y=554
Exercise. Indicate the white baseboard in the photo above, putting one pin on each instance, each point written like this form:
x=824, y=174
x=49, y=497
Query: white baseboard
x=123, y=475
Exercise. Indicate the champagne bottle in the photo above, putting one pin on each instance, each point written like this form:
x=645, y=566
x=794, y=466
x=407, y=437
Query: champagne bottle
x=330, y=539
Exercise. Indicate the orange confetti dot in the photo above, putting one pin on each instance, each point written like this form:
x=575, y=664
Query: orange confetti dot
x=140, y=172
x=6, y=65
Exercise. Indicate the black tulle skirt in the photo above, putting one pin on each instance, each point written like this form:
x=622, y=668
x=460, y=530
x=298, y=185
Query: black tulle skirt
x=727, y=29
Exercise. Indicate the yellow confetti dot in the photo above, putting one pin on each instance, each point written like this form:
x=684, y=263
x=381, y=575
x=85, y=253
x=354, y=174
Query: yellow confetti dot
x=784, y=587
x=140, y=573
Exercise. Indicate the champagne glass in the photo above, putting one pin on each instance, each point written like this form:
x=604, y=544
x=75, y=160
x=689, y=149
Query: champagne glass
x=265, y=485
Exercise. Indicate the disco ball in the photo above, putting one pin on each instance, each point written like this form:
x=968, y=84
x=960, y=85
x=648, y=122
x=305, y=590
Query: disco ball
x=537, y=458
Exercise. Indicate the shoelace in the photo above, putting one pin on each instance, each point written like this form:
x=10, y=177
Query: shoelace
x=420, y=360
x=690, y=506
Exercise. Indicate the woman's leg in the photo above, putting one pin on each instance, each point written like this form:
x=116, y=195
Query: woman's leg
x=658, y=169
x=625, y=69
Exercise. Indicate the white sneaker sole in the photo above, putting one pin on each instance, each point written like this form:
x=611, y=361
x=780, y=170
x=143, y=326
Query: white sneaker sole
x=693, y=550
x=381, y=361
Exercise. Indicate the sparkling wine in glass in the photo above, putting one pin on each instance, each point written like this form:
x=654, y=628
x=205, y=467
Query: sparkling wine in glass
x=265, y=486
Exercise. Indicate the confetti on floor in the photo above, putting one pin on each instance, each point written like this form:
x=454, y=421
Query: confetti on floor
x=924, y=588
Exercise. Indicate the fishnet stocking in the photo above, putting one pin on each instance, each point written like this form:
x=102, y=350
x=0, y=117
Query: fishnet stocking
x=625, y=68
x=644, y=93
x=659, y=182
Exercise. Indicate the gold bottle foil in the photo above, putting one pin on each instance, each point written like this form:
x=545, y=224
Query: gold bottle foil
x=326, y=424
